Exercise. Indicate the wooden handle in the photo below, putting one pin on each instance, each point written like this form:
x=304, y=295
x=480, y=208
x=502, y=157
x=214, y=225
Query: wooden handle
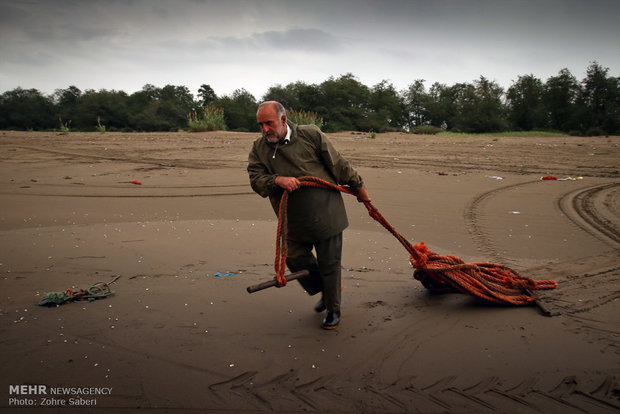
x=539, y=304
x=272, y=283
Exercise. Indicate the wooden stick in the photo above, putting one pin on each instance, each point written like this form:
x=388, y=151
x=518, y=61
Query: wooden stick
x=272, y=283
x=539, y=304
x=114, y=280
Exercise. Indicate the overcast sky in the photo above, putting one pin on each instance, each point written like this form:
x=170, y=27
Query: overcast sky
x=255, y=44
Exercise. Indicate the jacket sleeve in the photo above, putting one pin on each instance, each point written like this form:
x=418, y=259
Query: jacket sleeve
x=339, y=166
x=261, y=180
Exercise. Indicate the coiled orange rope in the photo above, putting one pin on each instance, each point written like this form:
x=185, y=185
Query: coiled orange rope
x=488, y=281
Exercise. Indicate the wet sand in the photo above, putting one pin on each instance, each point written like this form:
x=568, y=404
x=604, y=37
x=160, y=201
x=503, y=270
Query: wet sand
x=175, y=337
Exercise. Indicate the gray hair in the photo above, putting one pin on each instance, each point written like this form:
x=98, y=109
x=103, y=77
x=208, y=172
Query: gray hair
x=277, y=105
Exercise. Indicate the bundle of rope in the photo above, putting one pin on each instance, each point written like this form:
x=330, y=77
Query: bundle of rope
x=488, y=281
x=96, y=291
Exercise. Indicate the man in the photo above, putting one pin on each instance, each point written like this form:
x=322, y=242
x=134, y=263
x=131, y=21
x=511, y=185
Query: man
x=316, y=217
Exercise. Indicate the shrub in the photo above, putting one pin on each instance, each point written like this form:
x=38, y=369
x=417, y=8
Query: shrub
x=100, y=127
x=595, y=132
x=305, y=117
x=211, y=119
x=427, y=130
x=65, y=127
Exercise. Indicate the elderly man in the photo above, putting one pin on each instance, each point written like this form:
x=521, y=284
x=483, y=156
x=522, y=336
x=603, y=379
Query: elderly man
x=316, y=217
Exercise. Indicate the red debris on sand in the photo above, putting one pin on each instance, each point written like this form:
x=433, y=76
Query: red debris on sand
x=136, y=182
x=548, y=177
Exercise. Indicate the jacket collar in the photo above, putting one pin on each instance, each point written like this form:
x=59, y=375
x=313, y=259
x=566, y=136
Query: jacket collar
x=289, y=133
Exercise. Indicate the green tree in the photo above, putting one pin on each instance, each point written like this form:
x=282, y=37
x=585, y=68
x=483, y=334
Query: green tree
x=473, y=107
x=386, y=108
x=206, y=94
x=344, y=104
x=417, y=105
x=441, y=106
x=491, y=111
x=109, y=106
x=298, y=96
x=66, y=101
x=560, y=94
x=142, y=107
x=160, y=109
x=27, y=109
x=525, y=104
x=287, y=96
x=479, y=107
x=308, y=96
x=468, y=116
x=239, y=110
x=600, y=99
x=175, y=103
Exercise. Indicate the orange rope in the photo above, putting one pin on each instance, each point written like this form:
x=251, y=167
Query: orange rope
x=488, y=281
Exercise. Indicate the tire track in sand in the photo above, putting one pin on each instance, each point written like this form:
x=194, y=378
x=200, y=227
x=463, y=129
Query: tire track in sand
x=586, y=283
x=473, y=216
x=571, y=394
x=596, y=210
x=158, y=162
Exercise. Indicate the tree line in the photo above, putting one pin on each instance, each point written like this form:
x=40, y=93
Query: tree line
x=561, y=103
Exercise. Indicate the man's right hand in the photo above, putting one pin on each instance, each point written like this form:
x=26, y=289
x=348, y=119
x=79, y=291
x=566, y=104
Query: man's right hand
x=290, y=184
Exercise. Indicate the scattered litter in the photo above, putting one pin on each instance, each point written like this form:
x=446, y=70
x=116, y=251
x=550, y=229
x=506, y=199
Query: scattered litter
x=515, y=212
x=136, y=182
x=99, y=290
x=218, y=274
x=496, y=177
x=551, y=177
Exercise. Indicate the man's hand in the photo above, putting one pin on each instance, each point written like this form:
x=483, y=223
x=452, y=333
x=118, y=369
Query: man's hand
x=288, y=183
x=362, y=195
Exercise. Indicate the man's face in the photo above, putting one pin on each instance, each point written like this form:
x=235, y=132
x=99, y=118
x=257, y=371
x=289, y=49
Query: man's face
x=272, y=127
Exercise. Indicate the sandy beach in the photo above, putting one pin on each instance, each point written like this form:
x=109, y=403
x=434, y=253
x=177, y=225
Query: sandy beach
x=174, y=216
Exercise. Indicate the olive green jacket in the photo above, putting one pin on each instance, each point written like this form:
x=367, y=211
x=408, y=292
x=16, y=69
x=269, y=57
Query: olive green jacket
x=314, y=214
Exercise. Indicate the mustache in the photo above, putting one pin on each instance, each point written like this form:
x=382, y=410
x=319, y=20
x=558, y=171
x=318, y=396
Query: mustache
x=271, y=134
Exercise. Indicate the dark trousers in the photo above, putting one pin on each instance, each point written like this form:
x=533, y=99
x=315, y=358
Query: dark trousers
x=325, y=268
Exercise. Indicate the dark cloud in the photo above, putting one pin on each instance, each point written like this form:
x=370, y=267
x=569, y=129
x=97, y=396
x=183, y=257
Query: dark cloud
x=308, y=40
x=54, y=43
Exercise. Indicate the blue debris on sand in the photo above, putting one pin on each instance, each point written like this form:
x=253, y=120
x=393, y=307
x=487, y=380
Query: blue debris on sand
x=218, y=274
